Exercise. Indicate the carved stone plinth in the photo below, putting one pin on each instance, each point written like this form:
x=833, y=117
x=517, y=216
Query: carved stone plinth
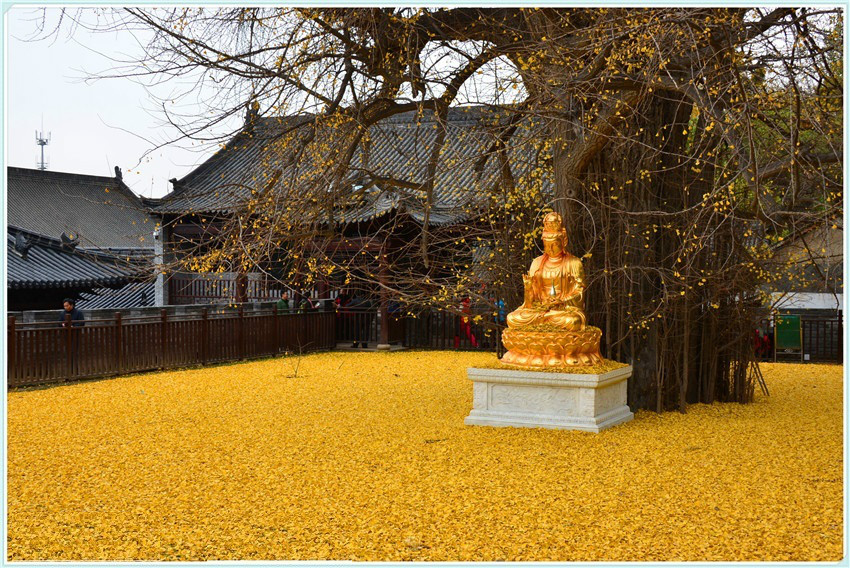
x=537, y=399
x=556, y=348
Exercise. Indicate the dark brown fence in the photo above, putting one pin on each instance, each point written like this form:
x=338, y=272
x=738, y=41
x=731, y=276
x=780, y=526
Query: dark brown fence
x=823, y=338
x=43, y=353
x=358, y=327
x=444, y=330
x=191, y=289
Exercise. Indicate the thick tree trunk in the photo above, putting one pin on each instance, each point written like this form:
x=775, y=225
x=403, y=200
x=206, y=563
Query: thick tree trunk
x=633, y=207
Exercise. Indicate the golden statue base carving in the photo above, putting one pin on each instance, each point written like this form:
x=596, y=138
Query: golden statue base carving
x=532, y=348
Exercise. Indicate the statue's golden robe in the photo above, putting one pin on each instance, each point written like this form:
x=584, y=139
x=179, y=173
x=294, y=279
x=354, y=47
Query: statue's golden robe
x=549, y=329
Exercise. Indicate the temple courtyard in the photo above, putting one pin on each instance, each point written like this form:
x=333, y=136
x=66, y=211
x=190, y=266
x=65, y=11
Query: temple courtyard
x=365, y=456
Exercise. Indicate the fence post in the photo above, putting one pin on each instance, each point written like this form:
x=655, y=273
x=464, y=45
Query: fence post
x=119, y=363
x=241, y=331
x=775, y=336
x=69, y=369
x=12, y=342
x=276, y=325
x=162, y=338
x=205, y=335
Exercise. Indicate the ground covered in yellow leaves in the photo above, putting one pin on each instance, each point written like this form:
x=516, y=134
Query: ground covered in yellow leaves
x=365, y=456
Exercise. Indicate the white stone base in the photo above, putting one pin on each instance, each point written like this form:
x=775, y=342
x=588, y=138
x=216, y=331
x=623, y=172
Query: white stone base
x=537, y=399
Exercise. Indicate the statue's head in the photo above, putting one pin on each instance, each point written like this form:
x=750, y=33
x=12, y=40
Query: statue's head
x=554, y=235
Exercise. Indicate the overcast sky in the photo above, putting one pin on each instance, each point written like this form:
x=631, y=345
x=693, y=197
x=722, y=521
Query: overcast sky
x=94, y=126
x=97, y=125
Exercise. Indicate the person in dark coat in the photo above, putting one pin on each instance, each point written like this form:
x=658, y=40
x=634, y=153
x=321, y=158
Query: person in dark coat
x=77, y=317
x=77, y=320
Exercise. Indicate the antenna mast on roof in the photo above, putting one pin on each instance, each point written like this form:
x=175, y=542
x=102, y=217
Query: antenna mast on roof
x=42, y=141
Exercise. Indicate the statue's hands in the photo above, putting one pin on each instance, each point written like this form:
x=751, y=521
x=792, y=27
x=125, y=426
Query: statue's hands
x=575, y=296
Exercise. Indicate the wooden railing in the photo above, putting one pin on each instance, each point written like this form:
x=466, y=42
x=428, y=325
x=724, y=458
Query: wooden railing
x=43, y=353
x=46, y=353
x=194, y=289
x=444, y=330
x=358, y=327
x=823, y=339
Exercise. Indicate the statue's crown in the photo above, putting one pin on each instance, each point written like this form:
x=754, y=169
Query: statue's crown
x=552, y=223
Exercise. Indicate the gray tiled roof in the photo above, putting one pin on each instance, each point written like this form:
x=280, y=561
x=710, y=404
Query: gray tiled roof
x=102, y=211
x=132, y=295
x=47, y=264
x=397, y=147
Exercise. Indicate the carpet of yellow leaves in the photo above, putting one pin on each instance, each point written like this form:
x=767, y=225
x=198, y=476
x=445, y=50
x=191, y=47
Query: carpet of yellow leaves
x=365, y=456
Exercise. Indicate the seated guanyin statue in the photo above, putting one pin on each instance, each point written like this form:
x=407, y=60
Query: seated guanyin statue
x=549, y=329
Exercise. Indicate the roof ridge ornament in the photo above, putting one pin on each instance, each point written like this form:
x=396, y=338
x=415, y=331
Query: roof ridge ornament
x=252, y=113
x=22, y=245
x=69, y=240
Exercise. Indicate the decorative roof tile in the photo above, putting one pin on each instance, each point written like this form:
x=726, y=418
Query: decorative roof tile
x=398, y=147
x=132, y=295
x=102, y=211
x=38, y=261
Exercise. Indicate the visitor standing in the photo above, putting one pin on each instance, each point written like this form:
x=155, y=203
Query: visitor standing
x=283, y=303
x=466, y=323
x=71, y=318
x=77, y=319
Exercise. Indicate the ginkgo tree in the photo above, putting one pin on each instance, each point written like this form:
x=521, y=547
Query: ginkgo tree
x=680, y=144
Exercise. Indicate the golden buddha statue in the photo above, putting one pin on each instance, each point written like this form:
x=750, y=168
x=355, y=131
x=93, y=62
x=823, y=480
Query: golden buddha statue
x=549, y=328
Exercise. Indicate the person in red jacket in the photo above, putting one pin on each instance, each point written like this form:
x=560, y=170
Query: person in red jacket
x=466, y=324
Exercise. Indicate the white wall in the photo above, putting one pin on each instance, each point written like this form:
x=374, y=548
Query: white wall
x=808, y=301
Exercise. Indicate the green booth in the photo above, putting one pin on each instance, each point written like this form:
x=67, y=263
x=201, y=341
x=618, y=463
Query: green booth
x=788, y=336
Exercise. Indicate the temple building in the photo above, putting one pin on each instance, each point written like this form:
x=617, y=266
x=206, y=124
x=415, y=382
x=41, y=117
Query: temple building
x=397, y=148
x=73, y=234
x=42, y=271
